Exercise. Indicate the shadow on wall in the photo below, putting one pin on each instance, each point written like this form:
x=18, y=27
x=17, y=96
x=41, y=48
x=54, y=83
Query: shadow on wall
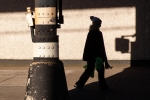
x=140, y=54
x=130, y=84
x=19, y=6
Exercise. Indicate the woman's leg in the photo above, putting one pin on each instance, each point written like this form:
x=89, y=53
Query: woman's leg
x=101, y=77
x=86, y=74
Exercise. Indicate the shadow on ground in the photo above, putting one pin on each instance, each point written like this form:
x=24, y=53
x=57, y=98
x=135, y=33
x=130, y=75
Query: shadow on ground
x=133, y=83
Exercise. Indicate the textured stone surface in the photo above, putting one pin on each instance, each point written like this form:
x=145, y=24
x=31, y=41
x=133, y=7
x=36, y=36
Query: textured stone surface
x=120, y=18
x=15, y=42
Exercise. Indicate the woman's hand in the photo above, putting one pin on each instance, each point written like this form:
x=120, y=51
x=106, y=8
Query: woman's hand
x=107, y=66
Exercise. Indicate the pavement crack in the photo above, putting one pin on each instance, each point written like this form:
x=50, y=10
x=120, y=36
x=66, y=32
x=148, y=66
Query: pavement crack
x=8, y=79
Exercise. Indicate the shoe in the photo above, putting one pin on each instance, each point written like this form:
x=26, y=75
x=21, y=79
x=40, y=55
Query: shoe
x=78, y=87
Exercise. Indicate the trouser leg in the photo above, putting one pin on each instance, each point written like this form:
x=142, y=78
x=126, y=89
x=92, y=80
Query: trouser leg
x=101, y=77
x=86, y=74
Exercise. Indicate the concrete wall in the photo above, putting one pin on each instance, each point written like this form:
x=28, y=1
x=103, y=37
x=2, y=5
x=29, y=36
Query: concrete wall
x=119, y=19
x=115, y=23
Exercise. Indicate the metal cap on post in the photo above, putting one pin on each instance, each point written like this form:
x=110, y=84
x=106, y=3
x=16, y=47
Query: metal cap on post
x=46, y=77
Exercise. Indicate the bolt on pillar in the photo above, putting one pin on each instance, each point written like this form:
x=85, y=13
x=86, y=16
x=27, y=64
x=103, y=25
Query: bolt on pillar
x=46, y=77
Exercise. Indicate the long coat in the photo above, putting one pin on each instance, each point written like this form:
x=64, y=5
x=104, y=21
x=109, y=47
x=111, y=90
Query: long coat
x=94, y=46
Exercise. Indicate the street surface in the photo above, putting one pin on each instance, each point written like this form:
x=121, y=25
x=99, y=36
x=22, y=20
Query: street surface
x=128, y=83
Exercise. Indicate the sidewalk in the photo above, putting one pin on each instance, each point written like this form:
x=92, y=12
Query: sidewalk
x=128, y=83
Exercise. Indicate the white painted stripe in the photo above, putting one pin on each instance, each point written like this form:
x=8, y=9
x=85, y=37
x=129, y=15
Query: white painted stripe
x=48, y=50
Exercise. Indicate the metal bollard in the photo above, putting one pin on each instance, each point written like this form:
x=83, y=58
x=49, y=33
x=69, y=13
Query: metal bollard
x=46, y=77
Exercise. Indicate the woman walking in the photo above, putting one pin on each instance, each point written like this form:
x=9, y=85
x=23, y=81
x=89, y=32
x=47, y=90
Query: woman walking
x=94, y=48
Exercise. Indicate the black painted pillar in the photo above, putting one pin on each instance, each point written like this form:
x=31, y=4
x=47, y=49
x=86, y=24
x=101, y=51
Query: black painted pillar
x=140, y=49
x=46, y=77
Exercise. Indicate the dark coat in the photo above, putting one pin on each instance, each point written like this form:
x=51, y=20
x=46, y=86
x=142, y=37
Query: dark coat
x=94, y=46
